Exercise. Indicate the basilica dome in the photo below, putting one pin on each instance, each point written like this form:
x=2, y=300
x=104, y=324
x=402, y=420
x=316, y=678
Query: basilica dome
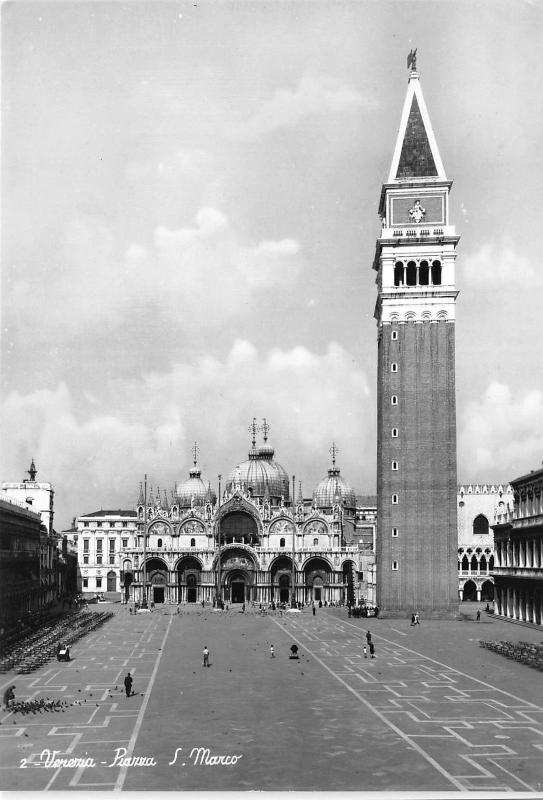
x=334, y=486
x=260, y=475
x=195, y=491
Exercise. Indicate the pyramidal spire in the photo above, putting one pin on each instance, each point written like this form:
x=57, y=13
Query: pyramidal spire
x=416, y=155
x=141, y=499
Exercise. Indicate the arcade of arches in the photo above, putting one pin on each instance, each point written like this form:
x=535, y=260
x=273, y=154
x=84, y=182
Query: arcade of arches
x=253, y=564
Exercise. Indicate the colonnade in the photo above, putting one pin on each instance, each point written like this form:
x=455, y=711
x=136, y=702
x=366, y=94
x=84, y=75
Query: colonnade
x=520, y=602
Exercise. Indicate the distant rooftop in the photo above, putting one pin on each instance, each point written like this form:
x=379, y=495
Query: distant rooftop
x=366, y=500
x=118, y=512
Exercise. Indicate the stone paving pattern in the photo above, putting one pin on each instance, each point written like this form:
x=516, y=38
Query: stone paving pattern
x=433, y=711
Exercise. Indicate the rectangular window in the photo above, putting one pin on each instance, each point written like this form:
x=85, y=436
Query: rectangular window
x=394, y=499
x=394, y=335
x=85, y=559
x=85, y=545
x=98, y=583
x=395, y=532
x=394, y=367
x=125, y=543
x=98, y=559
x=125, y=524
x=85, y=524
x=99, y=543
x=112, y=545
x=394, y=565
x=98, y=524
x=112, y=558
x=85, y=583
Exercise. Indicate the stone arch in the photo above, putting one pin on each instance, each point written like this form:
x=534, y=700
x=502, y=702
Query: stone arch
x=487, y=591
x=280, y=571
x=470, y=591
x=189, y=578
x=316, y=567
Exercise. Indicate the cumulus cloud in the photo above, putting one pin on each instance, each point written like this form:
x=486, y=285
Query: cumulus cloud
x=95, y=453
x=185, y=274
x=313, y=95
x=501, y=434
x=497, y=264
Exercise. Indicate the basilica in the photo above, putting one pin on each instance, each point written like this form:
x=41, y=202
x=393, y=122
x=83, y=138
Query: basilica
x=253, y=542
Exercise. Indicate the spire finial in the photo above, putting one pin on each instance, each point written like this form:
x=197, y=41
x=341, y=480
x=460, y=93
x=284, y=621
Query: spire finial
x=253, y=428
x=32, y=471
x=265, y=428
x=195, y=452
x=334, y=450
x=412, y=60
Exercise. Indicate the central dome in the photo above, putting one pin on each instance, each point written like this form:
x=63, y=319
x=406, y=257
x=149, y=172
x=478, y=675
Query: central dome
x=261, y=475
x=334, y=488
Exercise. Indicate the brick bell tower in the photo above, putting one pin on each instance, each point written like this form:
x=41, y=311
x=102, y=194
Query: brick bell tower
x=416, y=543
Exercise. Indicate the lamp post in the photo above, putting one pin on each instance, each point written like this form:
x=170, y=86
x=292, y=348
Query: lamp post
x=293, y=577
x=144, y=571
x=219, y=597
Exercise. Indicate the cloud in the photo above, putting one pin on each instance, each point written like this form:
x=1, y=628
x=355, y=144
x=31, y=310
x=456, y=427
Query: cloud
x=96, y=452
x=186, y=274
x=499, y=264
x=314, y=95
x=501, y=434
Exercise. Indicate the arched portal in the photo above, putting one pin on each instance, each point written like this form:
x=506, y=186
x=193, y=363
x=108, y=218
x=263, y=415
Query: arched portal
x=470, y=591
x=280, y=575
x=238, y=571
x=317, y=568
x=189, y=578
x=157, y=580
x=487, y=591
x=111, y=581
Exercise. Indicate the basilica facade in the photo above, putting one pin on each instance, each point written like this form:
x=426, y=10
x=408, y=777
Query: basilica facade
x=253, y=542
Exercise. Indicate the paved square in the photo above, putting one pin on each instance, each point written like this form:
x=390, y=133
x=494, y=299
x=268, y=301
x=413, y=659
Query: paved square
x=433, y=711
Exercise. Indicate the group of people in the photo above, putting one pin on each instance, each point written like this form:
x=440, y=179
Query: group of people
x=363, y=611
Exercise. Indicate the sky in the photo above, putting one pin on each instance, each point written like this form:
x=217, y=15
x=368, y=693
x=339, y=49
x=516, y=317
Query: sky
x=189, y=218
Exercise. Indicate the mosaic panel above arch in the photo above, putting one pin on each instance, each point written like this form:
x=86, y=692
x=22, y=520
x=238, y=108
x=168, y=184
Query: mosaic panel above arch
x=282, y=526
x=191, y=527
x=159, y=528
x=316, y=528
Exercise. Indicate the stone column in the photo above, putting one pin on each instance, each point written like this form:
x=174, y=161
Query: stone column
x=478, y=590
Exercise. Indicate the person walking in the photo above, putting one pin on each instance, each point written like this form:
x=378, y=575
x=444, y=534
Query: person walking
x=478, y=615
x=205, y=654
x=417, y=620
x=412, y=619
x=272, y=651
x=372, y=650
x=365, y=651
x=368, y=637
x=314, y=610
x=128, y=685
x=9, y=695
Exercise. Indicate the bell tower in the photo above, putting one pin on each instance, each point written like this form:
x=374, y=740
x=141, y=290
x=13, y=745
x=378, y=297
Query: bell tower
x=416, y=545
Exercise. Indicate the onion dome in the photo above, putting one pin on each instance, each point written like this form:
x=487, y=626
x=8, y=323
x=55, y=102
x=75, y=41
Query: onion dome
x=196, y=490
x=260, y=475
x=334, y=488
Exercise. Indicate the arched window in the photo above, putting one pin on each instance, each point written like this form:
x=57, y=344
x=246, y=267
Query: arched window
x=315, y=542
x=159, y=543
x=411, y=274
x=474, y=563
x=394, y=367
x=394, y=465
x=480, y=525
x=424, y=273
x=394, y=400
x=394, y=433
x=394, y=336
x=482, y=562
x=436, y=273
x=398, y=274
x=395, y=499
x=491, y=563
x=281, y=542
x=193, y=543
x=465, y=564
